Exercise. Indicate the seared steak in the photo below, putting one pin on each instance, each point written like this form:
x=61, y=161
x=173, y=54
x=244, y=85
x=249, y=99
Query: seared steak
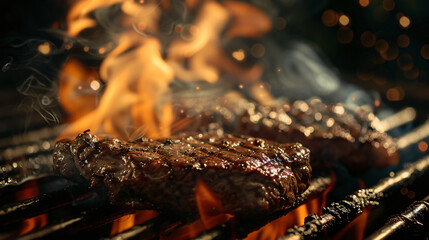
x=250, y=176
x=333, y=133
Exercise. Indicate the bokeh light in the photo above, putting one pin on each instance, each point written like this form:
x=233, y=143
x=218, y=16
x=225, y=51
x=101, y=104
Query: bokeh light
x=364, y=3
x=345, y=35
x=344, y=20
x=239, y=55
x=44, y=48
x=424, y=51
x=403, y=40
x=329, y=18
x=404, y=21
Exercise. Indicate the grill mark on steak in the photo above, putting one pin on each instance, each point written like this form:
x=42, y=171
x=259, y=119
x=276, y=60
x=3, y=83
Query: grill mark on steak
x=250, y=176
x=333, y=133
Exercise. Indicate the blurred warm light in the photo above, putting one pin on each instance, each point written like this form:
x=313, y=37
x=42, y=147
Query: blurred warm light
x=344, y=20
x=364, y=3
x=412, y=74
x=239, y=55
x=381, y=46
x=424, y=51
x=44, y=48
x=368, y=39
x=329, y=18
x=345, y=35
x=95, y=85
x=391, y=53
x=404, y=21
x=68, y=46
x=178, y=28
x=86, y=49
x=405, y=62
x=377, y=103
x=194, y=30
x=395, y=94
x=388, y=5
x=403, y=40
x=423, y=146
x=280, y=23
x=102, y=50
x=257, y=50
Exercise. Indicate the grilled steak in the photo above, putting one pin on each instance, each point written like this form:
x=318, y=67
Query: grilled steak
x=250, y=176
x=332, y=132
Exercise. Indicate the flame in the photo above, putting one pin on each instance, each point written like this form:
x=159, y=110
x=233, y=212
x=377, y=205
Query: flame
x=141, y=67
x=75, y=92
x=296, y=217
x=30, y=189
x=211, y=214
x=122, y=224
x=128, y=221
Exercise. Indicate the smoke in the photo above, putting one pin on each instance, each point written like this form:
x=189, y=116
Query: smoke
x=33, y=63
x=297, y=70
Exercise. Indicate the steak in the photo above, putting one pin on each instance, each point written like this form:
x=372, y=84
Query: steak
x=333, y=133
x=249, y=176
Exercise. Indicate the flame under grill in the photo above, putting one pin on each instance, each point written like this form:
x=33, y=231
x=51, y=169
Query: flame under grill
x=35, y=212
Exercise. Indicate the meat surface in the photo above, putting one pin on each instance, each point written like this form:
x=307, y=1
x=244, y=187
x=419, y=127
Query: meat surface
x=333, y=133
x=249, y=176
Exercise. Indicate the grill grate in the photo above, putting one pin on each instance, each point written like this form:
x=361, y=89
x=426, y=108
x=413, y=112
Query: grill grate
x=28, y=156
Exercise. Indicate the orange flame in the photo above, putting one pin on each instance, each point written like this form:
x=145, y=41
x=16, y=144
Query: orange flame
x=30, y=189
x=139, y=70
x=211, y=214
x=75, y=93
x=128, y=221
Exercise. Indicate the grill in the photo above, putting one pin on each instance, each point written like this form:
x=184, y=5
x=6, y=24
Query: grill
x=390, y=203
x=38, y=205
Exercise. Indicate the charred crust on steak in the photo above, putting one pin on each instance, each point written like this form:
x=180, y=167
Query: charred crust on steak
x=250, y=176
x=333, y=133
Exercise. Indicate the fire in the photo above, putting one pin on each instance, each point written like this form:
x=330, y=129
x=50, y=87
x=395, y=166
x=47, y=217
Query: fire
x=30, y=189
x=138, y=69
x=128, y=221
x=211, y=214
x=129, y=94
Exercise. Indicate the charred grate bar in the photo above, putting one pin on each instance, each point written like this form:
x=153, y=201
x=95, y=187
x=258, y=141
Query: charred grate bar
x=31, y=207
x=338, y=214
x=85, y=220
x=413, y=223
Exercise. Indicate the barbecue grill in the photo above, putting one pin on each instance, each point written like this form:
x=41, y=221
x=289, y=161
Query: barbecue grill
x=389, y=203
x=37, y=204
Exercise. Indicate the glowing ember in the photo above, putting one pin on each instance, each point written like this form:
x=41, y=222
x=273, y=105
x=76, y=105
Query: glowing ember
x=239, y=55
x=44, y=48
